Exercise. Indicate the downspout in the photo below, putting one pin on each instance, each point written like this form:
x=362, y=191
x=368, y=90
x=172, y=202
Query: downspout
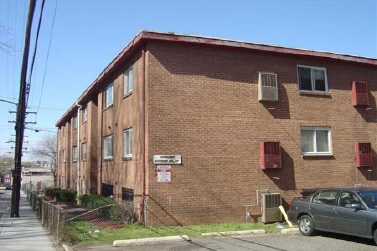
x=79, y=107
x=143, y=135
x=57, y=160
x=99, y=188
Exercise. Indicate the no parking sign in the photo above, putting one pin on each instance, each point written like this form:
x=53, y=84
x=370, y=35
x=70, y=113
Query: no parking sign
x=163, y=173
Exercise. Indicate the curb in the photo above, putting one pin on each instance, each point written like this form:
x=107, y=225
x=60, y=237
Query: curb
x=123, y=243
x=182, y=238
x=290, y=230
x=230, y=233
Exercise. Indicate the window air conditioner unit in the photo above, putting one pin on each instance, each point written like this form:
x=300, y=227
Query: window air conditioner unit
x=360, y=93
x=267, y=87
x=270, y=207
x=270, y=155
x=363, y=154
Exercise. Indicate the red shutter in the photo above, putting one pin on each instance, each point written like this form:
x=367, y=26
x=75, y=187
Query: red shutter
x=360, y=93
x=270, y=154
x=363, y=154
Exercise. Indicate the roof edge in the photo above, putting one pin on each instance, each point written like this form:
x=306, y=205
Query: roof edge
x=104, y=73
x=175, y=37
x=193, y=39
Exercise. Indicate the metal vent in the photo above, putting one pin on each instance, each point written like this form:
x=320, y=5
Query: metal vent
x=270, y=155
x=270, y=207
x=360, y=93
x=363, y=154
x=267, y=87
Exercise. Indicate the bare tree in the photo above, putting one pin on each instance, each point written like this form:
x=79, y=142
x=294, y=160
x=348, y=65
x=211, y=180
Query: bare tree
x=46, y=149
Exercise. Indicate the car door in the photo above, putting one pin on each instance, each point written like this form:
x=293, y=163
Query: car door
x=350, y=220
x=322, y=209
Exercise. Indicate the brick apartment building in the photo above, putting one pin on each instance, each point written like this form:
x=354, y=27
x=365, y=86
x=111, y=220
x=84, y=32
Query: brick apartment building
x=193, y=128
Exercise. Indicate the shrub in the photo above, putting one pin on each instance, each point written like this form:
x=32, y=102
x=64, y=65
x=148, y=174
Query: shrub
x=66, y=195
x=51, y=191
x=90, y=201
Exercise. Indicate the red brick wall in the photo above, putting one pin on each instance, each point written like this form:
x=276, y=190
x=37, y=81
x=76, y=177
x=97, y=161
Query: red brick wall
x=203, y=104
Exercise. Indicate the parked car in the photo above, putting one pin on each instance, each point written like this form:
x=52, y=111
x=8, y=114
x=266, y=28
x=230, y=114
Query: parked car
x=351, y=211
x=8, y=187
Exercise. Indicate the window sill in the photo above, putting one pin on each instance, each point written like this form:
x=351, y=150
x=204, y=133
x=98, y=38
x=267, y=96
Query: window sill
x=306, y=155
x=108, y=159
x=127, y=95
x=107, y=108
x=127, y=158
x=314, y=93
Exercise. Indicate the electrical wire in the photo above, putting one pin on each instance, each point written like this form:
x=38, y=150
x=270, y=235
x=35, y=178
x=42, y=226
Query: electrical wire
x=35, y=52
x=48, y=54
x=9, y=98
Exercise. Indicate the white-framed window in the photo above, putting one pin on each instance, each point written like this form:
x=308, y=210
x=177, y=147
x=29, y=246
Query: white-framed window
x=316, y=141
x=128, y=78
x=108, y=96
x=74, y=121
x=311, y=78
x=108, y=147
x=74, y=153
x=127, y=143
x=84, y=114
x=83, y=151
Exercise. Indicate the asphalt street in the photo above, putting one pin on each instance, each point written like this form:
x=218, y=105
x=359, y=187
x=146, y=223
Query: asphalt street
x=266, y=242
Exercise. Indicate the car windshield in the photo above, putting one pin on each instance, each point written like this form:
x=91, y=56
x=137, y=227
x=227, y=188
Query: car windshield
x=369, y=197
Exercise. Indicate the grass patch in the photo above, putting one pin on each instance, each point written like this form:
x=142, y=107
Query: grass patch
x=85, y=232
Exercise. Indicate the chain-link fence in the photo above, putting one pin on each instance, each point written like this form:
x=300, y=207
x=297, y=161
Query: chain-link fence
x=59, y=218
x=52, y=218
x=36, y=185
x=108, y=216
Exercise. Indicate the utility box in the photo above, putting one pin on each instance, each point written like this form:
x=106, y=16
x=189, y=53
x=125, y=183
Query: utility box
x=270, y=155
x=270, y=207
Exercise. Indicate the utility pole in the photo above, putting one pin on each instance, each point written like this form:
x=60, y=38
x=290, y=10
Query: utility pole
x=20, y=121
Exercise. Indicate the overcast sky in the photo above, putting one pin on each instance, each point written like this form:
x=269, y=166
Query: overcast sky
x=85, y=36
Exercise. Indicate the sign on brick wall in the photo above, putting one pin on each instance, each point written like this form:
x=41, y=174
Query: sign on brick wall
x=163, y=173
x=167, y=159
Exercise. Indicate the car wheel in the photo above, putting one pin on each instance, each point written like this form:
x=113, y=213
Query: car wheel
x=375, y=236
x=306, y=225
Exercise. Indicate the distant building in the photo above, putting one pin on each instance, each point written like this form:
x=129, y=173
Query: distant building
x=43, y=163
x=36, y=171
x=37, y=177
x=193, y=128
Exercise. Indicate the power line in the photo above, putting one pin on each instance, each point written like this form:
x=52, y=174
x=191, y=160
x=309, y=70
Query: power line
x=48, y=54
x=35, y=51
x=51, y=108
x=10, y=102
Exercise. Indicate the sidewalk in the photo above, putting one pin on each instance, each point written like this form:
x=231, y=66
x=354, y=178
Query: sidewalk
x=24, y=232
